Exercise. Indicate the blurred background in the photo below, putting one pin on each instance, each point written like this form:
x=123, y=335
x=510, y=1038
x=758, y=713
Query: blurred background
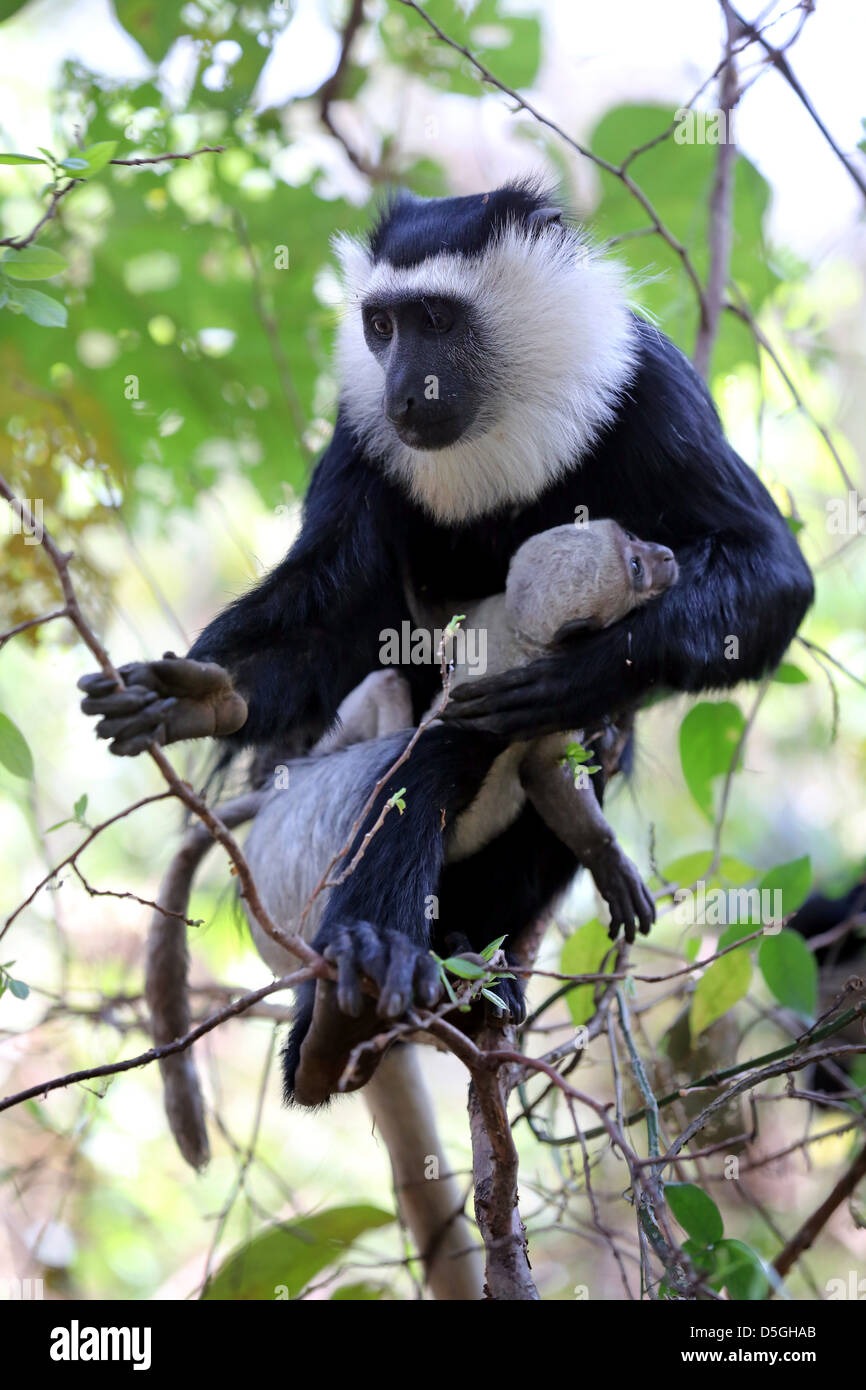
x=167, y=415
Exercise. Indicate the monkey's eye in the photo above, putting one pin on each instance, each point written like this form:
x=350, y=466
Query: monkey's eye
x=636, y=566
x=381, y=324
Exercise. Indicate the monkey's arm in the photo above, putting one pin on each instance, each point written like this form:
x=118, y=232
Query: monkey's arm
x=575, y=817
x=290, y=648
x=666, y=472
x=755, y=592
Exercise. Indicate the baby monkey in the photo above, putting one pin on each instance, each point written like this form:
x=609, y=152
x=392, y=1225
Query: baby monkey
x=569, y=579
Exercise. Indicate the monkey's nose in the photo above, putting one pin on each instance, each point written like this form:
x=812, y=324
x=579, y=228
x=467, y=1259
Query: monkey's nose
x=399, y=409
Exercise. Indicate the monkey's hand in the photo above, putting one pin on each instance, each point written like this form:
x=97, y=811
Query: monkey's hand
x=579, y=682
x=620, y=884
x=162, y=702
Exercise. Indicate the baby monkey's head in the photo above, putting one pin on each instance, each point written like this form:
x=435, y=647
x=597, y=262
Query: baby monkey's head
x=584, y=576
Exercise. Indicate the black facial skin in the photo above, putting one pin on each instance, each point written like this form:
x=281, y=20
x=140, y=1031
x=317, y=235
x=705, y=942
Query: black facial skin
x=414, y=340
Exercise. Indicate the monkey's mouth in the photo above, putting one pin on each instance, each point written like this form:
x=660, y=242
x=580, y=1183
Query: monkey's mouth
x=431, y=434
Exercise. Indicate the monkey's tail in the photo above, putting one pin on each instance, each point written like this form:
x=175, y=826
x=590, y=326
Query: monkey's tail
x=165, y=986
x=431, y=1205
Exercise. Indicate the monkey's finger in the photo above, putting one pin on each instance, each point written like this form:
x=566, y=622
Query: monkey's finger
x=127, y=701
x=476, y=692
x=145, y=719
x=396, y=993
x=196, y=679
x=428, y=985
x=646, y=911
x=96, y=683
x=129, y=747
x=370, y=952
x=341, y=953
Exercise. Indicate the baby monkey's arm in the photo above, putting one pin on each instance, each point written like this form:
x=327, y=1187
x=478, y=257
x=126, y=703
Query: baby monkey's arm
x=575, y=817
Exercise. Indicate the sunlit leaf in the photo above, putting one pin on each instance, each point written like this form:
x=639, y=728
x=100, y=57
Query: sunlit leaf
x=790, y=970
x=290, y=1256
x=720, y=987
x=709, y=735
x=15, y=753
x=583, y=954
x=696, y=1212
x=33, y=263
x=39, y=307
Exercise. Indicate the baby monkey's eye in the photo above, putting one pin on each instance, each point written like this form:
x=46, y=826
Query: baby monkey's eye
x=636, y=566
x=381, y=324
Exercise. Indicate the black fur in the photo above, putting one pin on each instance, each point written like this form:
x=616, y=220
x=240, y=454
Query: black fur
x=310, y=631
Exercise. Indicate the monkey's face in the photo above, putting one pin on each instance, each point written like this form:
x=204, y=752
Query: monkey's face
x=429, y=349
x=650, y=569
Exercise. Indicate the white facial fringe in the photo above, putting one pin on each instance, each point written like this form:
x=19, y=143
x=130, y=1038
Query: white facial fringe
x=562, y=351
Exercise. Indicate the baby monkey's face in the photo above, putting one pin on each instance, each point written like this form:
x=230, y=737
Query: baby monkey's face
x=650, y=569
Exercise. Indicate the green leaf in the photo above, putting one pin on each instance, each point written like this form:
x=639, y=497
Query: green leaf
x=490, y=951
x=359, y=1293
x=493, y=999
x=792, y=881
x=18, y=988
x=508, y=44
x=15, y=754
x=290, y=1256
x=73, y=163
x=583, y=954
x=80, y=806
x=696, y=1212
x=789, y=674
x=790, y=970
x=721, y=985
x=21, y=159
x=464, y=969
x=740, y=1270
x=39, y=307
x=709, y=735
x=33, y=263
x=678, y=178
x=97, y=156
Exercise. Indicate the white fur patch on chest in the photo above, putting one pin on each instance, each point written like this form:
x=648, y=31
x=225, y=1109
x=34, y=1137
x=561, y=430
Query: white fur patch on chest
x=562, y=345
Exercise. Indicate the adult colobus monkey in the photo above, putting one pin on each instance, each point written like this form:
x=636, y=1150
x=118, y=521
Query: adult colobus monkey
x=493, y=380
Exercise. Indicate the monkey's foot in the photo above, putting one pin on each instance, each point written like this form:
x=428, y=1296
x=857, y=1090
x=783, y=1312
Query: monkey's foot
x=343, y=1017
x=326, y=1050
x=627, y=896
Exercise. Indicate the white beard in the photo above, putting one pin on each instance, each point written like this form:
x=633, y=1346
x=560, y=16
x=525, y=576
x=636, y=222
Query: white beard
x=563, y=351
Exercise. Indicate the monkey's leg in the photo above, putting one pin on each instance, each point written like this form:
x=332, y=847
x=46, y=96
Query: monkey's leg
x=574, y=815
x=380, y=705
x=428, y=1195
x=376, y=921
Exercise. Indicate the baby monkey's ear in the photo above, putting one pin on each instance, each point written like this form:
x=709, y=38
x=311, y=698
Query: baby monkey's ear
x=574, y=628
